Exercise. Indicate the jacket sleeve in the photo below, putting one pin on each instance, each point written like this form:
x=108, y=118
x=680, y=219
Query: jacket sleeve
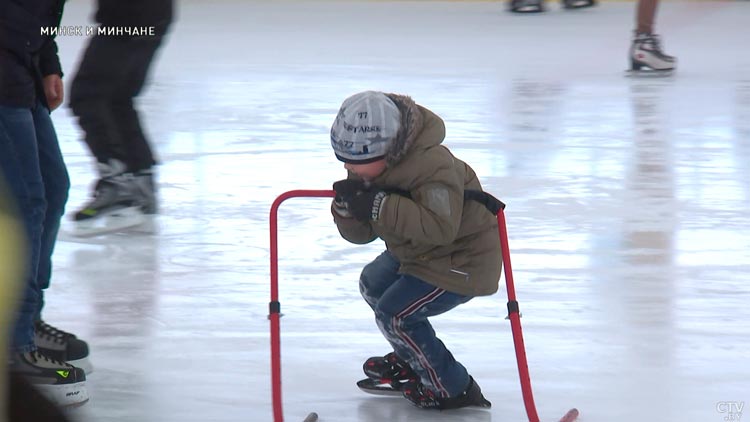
x=352, y=230
x=432, y=216
x=49, y=62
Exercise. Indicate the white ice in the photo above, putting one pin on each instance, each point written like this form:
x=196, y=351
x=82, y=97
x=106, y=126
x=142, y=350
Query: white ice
x=628, y=212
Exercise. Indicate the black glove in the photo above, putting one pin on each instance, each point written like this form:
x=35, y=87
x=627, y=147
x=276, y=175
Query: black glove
x=365, y=205
x=347, y=188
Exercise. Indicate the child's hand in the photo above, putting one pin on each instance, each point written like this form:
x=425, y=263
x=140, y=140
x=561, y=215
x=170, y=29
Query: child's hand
x=347, y=188
x=340, y=209
x=365, y=206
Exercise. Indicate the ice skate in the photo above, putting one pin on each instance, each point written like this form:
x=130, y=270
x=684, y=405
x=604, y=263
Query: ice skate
x=60, y=382
x=647, y=58
x=120, y=201
x=527, y=6
x=386, y=375
x=578, y=4
x=424, y=398
x=62, y=346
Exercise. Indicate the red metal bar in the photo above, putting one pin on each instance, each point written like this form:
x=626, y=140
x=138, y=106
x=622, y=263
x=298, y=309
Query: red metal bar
x=515, y=323
x=275, y=312
x=274, y=306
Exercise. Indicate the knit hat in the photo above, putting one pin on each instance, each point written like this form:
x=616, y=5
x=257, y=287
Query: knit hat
x=365, y=127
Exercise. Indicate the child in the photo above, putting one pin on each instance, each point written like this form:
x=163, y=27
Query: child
x=406, y=188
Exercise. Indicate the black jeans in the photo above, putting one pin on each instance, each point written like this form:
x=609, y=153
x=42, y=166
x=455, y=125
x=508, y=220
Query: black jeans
x=112, y=72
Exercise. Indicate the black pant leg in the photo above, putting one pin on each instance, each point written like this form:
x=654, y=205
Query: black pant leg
x=138, y=152
x=94, y=87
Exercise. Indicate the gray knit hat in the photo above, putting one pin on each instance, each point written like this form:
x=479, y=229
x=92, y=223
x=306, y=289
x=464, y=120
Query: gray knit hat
x=365, y=127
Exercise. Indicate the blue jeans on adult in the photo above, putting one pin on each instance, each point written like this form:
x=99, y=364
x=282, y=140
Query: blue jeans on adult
x=36, y=176
x=402, y=304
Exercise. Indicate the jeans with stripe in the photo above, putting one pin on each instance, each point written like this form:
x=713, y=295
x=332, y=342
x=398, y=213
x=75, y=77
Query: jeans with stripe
x=402, y=304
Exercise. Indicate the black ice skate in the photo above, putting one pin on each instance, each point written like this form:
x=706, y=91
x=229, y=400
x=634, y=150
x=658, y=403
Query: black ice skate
x=386, y=375
x=647, y=58
x=424, y=398
x=527, y=6
x=60, y=382
x=120, y=201
x=578, y=4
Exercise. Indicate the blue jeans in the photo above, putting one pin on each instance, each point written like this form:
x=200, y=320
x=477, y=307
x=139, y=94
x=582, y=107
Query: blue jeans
x=37, y=178
x=402, y=304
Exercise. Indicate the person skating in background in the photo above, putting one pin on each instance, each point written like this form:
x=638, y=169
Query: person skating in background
x=406, y=188
x=112, y=72
x=537, y=6
x=37, y=178
x=646, y=50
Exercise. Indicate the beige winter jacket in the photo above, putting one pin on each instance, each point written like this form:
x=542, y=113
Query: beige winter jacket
x=435, y=235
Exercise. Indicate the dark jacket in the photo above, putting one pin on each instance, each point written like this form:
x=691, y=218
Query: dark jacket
x=25, y=54
x=434, y=233
x=136, y=13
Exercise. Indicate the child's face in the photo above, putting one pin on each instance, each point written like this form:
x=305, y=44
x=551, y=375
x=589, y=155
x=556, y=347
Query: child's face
x=367, y=171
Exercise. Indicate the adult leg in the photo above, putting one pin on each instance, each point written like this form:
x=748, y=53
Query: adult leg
x=645, y=15
x=56, y=186
x=91, y=96
x=19, y=161
x=102, y=71
x=140, y=56
x=646, y=50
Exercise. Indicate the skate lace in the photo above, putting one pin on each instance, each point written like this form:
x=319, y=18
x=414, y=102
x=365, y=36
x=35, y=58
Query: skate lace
x=37, y=356
x=422, y=396
x=654, y=41
x=52, y=333
x=399, y=369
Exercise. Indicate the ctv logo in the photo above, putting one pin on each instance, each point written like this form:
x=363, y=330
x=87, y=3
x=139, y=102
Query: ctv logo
x=733, y=409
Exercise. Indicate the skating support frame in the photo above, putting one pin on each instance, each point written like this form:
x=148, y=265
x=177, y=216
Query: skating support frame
x=515, y=322
x=275, y=311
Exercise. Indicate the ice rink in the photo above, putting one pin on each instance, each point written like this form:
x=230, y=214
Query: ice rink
x=628, y=212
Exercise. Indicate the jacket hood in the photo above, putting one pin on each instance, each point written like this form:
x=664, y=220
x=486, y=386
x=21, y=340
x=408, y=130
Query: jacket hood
x=419, y=129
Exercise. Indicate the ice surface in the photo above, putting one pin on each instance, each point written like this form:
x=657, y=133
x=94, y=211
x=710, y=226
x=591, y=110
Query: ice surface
x=627, y=211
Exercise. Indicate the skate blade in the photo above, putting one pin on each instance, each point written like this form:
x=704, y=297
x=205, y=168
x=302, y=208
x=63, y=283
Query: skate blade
x=370, y=386
x=581, y=5
x=527, y=9
x=113, y=221
x=649, y=73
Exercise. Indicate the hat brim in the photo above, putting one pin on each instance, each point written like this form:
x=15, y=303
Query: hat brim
x=360, y=161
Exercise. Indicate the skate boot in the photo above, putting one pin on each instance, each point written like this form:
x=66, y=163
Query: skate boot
x=145, y=191
x=386, y=374
x=577, y=4
x=62, y=346
x=424, y=398
x=389, y=369
x=645, y=52
x=527, y=6
x=116, y=203
x=60, y=382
